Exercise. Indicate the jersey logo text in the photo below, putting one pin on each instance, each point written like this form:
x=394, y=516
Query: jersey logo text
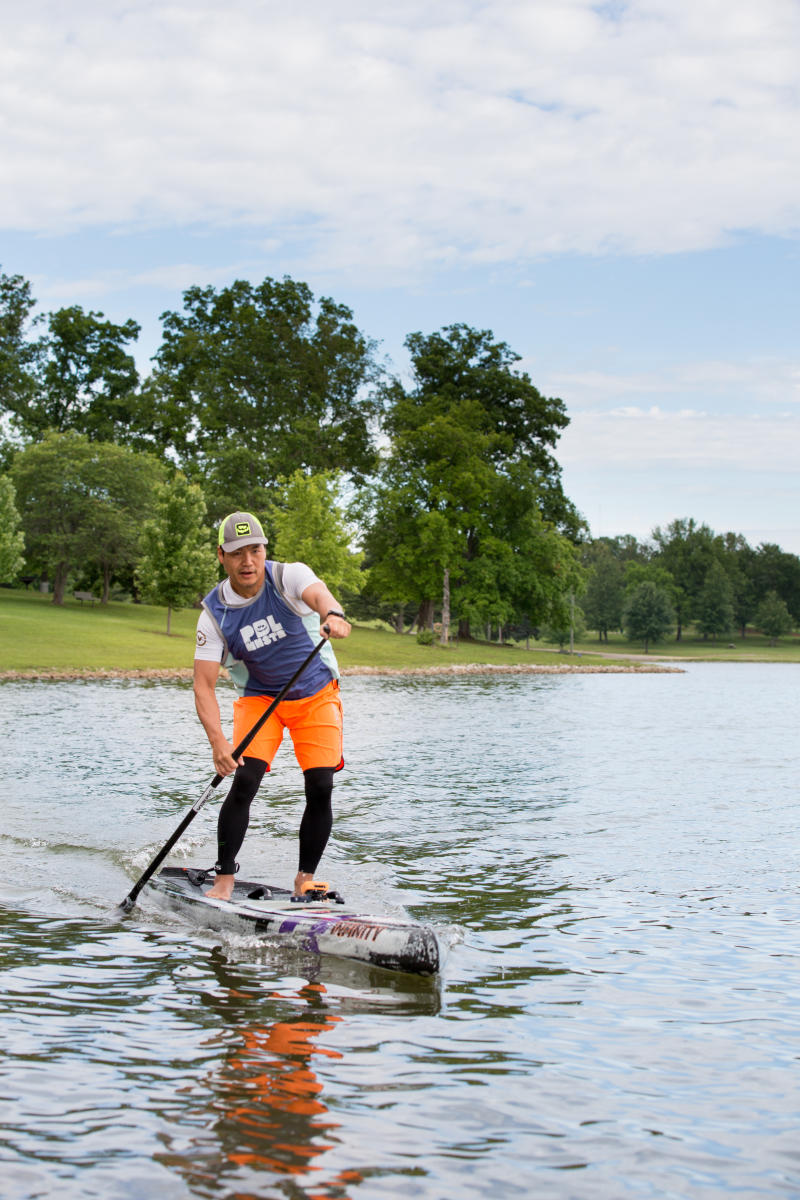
x=262, y=633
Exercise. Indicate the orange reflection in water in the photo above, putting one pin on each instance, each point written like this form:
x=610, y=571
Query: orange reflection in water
x=278, y=1124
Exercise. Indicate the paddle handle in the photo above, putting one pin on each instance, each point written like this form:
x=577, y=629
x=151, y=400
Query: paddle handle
x=127, y=904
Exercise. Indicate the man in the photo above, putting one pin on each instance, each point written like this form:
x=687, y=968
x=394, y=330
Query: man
x=260, y=622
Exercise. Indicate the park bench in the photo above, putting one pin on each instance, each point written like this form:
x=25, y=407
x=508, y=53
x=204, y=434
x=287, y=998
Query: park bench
x=85, y=596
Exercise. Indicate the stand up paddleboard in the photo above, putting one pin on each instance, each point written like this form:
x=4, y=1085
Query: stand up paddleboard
x=323, y=925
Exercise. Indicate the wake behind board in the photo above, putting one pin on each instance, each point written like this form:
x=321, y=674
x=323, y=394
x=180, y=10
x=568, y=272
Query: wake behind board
x=325, y=926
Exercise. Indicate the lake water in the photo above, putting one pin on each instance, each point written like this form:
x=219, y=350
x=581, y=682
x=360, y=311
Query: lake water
x=611, y=860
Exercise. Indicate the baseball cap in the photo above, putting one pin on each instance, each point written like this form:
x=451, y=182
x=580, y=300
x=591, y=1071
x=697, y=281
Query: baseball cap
x=240, y=529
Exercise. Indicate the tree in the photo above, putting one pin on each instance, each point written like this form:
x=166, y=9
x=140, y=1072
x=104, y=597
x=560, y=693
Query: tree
x=12, y=540
x=310, y=527
x=626, y=548
x=773, y=617
x=569, y=625
x=737, y=557
x=80, y=501
x=177, y=565
x=469, y=487
x=84, y=379
x=259, y=381
x=686, y=550
x=127, y=485
x=648, y=614
x=605, y=591
x=17, y=350
x=637, y=573
x=776, y=570
x=715, y=610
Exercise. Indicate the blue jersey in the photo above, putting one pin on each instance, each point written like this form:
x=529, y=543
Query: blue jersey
x=266, y=641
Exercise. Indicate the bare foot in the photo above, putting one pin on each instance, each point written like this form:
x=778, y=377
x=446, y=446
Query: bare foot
x=223, y=888
x=300, y=878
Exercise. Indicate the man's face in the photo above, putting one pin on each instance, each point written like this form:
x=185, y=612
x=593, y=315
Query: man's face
x=244, y=568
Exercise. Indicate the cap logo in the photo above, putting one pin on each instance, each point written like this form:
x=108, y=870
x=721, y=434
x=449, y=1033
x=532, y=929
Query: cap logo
x=242, y=528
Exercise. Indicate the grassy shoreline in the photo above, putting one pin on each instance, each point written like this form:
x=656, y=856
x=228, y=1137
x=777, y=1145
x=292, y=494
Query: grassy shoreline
x=74, y=641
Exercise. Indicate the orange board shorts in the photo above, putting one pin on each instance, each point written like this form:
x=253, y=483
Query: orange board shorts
x=314, y=724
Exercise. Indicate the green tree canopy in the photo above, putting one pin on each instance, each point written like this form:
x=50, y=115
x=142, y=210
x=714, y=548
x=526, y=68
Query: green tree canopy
x=605, y=590
x=177, y=564
x=775, y=570
x=129, y=482
x=686, y=550
x=736, y=557
x=773, y=617
x=649, y=614
x=82, y=378
x=17, y=348
x=12, y=540
x=310, y=527
x=469, y=485
x=715, y=606
x=637, y=573
x=80, y=502
x=259, y=381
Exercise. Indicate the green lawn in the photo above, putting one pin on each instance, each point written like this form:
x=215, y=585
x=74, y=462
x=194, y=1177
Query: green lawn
x=38, y=635
x=693, y=647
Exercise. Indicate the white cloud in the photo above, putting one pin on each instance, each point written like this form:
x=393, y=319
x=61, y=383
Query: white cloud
x=54, y=291
x=179, y=276
x=760, y=384
x=407, y=135
x=631, y=436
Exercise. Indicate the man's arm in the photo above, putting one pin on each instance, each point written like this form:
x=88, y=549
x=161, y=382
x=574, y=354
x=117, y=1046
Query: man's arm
x=205, y=700
x=318, y=597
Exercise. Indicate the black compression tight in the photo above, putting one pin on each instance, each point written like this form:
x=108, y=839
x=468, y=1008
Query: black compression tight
x=234, y=816
x=315, y=827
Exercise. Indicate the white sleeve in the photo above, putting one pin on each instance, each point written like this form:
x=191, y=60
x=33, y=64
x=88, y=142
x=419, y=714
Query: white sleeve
x=209, y=645
x=296, y=578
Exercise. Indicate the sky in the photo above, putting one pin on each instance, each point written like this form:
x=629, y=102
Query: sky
x=613, y=189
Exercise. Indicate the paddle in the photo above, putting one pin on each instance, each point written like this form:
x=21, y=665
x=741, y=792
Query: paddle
x=129, y=901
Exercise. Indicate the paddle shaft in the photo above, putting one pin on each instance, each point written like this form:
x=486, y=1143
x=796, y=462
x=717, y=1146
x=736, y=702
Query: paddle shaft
x=129, y=901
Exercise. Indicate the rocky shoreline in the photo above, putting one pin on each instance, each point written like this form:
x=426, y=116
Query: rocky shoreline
x=184, y=674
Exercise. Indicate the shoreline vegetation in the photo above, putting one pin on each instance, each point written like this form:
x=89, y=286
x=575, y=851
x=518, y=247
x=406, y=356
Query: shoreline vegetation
x=125, y=641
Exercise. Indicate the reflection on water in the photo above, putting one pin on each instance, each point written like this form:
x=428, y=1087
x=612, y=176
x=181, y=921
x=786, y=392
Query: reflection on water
x=266, y=1097
x=612, y=860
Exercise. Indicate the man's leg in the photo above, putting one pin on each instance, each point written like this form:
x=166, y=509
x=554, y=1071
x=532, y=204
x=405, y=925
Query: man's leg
x=234, y=817
x=315, y=725
x=315, y=827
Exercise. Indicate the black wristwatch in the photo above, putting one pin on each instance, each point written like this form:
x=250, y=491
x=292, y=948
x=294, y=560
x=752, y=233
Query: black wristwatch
x=333, y=612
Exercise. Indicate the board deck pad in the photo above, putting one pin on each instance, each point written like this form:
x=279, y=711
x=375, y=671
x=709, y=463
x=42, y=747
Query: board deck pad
x=325, y=926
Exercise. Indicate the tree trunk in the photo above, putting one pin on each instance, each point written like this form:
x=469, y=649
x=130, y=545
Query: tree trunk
x=572, y=622
x=169, y=619
x=425, y=615
x=463, y=629
x=60, y=582
x=106, y=583
x=398, y=618
x=446, y=607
